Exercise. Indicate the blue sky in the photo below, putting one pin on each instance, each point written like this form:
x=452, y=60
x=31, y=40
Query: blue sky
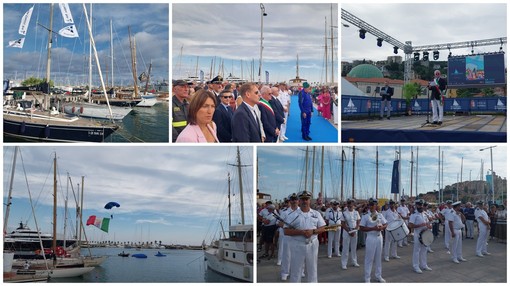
x=281, y=169
x=231, y=32
x=173, y=194
x=149, y=25
x=423, y=24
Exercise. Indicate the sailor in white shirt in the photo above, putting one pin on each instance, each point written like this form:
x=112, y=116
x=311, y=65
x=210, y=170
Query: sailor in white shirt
x=430, y=215
x=284, y=245
x=303, y=228
x=403, y=211
x=350, y=226
x=419, y=222
x=445, y=213
x=390, y=215
x=334, y=217
x=456, y=224
x=484, y=226
x=373, y=223
x=284, y=99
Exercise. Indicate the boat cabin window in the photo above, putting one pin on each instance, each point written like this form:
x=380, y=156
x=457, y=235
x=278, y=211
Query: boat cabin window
x=226, y=253
x=234, y=255
x=241, y=236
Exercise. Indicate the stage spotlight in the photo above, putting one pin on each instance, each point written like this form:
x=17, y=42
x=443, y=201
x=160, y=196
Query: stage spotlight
x=379, y=42
x=395, y=50
x=362, y=33
x=436, y=55
x=416, y=57
x=501, y=49
x=450, y=55
x=425, y=56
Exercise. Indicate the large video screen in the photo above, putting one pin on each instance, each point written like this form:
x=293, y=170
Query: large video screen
x=476, y=70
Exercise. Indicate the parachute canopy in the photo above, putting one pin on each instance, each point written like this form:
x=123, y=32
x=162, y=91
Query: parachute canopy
x=110, y=205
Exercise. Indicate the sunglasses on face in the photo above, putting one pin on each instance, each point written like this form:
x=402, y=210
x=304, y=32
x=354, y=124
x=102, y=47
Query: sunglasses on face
x=227, y=96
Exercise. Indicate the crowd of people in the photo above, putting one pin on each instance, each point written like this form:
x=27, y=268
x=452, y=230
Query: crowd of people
x=292, y=231
x=218, y=111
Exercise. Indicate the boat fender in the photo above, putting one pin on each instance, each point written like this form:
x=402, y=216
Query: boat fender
x=73, y=110
x=60, y=251
x=22, y=127
x=246, y=272
x=81, y=109
x=47, y=131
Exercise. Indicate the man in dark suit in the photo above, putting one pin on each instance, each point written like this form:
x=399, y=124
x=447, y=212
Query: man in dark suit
x=278, y=108
x=386, y=93
x=223, y=117
x=245, y=123
x=267, y=115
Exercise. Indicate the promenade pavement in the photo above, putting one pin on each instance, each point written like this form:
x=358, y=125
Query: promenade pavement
x=491, y=268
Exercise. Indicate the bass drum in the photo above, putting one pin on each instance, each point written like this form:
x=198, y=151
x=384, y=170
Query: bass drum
x=398, y=230
x=426, y=237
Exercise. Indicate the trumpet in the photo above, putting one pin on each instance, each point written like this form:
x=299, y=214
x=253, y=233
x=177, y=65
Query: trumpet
x=332, y=227
x=374, y=216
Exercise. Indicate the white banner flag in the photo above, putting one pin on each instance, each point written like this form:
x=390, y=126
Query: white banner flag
x=23, y=26
x=66, y=13
x=17, y=44
x=69, y=32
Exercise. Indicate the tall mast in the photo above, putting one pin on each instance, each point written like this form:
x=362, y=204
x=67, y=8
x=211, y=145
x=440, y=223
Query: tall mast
x=148, y=78
x=322, y=173
x=240, y=184
x=376, y=172
x=90, y=57
x=306, y=168
x=326, y=47
x=81, y=206
x=342, y=177
x=412, y=165
x=111, y=51
x=313, y=171
x=9, y=198
x=332, y=46
x=229, y=205
x=353, y=168
x=417, y=160
x=48, y=60
x=54, y=245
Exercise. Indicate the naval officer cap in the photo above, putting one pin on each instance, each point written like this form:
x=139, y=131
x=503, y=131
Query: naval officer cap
x=419, y=202
x=217, y=79
x=304, y=195
x=457, y=203
x=373, y=201
x=293, y=196
x=180, y=82
x=480, y=203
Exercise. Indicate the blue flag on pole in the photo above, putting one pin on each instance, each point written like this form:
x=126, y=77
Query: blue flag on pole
x=395, y=183
x=267, y=77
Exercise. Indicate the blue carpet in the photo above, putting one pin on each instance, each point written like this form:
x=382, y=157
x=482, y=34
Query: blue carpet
x=321, y=130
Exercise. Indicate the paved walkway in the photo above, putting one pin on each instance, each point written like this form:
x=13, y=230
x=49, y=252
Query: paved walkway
x=491, y=268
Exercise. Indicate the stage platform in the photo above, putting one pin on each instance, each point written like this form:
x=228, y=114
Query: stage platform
x=469, y=128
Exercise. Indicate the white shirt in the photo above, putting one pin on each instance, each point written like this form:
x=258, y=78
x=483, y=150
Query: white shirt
x=480, y=213
x=351, y=218
x=305, y=220
x=403, y=211
x=334, y=217
x=367, y=221
x=457, y=221
x=419, y=218
x=390, y=215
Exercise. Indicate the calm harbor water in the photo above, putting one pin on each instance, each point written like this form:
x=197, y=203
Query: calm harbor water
x=142, y=124
x=176, y=266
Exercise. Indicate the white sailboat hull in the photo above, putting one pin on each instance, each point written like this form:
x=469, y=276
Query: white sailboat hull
x=148, y=101
x=98, y=111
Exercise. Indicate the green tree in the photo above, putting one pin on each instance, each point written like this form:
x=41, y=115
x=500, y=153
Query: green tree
x=31, y=81
x=411, y=90
x=488, y=91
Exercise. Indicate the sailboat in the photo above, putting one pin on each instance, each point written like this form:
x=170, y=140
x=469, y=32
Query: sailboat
x=23, y=120
x=233, y=255
x=60, y=266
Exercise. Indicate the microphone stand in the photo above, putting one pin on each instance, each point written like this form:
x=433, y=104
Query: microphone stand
x=428, y=108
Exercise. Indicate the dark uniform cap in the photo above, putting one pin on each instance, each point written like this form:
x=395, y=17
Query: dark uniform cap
x=293, y=196
x=269, y=202
x=334, y=202
x=217, y=79
x=180, y=82
x=419, y=202
x=392, y=202
x=479, y=203
x=349, y=200
x=425, y=203
x=402, y=200
x=449, y=202
x=304, y=194
x=372, y=200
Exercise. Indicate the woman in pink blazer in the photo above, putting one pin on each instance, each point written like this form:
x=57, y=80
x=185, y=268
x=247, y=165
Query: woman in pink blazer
x=201, y=128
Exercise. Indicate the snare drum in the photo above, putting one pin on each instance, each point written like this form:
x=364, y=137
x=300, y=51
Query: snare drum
x=398, y=230
x=426, y=237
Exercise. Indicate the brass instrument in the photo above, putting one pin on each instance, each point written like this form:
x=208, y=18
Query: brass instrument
x=374, y=216
x=333, y=227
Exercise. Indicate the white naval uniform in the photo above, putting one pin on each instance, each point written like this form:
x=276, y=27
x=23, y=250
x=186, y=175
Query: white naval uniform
x=447, y=212
x=389, y=242
x=431, y=217
x=483, y=234
x=284, y=99
x=404, y=212
x=280, y=237
x=374, y=244
x=334, y=217
x=285, y=256
x=304, y=250
x=350, y=242
x=419, y=250
x=456, y=249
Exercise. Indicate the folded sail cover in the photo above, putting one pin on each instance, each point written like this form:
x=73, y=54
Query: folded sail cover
x=101, y=223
